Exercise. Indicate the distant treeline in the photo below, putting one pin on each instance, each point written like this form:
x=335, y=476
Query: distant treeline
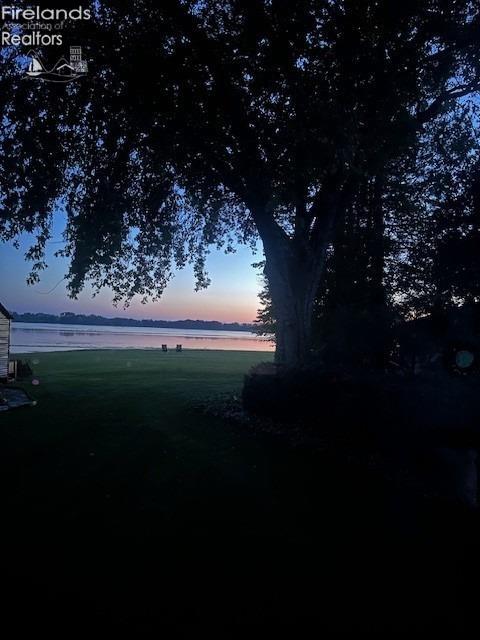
x=74, y=318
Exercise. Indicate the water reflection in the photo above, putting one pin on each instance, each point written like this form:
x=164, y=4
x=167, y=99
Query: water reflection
x=28, y=337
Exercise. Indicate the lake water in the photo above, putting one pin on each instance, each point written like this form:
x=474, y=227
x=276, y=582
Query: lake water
x=27, y=337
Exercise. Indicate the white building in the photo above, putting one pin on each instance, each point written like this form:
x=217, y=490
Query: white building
x=5, y=321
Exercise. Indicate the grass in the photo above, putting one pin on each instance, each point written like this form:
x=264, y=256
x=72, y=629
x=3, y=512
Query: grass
x=116, y=432
x=124, y=506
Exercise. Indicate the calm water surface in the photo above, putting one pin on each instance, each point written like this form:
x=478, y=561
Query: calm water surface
x=27, y=337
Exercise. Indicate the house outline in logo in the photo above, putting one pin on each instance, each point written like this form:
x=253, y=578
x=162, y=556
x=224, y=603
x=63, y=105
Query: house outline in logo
x=62, y=71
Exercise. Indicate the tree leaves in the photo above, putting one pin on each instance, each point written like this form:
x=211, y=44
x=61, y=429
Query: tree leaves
x=196, y=115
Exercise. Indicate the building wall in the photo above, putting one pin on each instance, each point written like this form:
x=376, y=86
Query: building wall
x=4, y=345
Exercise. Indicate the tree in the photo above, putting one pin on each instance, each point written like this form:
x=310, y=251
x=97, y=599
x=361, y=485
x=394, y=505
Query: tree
x=265, y=324
x=406, y=245
x=255, y=118
x=434, y=232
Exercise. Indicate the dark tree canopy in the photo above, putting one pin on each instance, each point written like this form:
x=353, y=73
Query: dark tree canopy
x=408, y=243
x=206, y=123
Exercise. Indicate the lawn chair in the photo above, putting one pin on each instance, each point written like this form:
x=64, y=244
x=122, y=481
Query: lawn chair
x=179, y=347
x=164, y=347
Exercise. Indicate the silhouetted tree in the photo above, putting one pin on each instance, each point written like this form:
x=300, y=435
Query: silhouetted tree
x=407, y=244
x=253, y=118
x=433, y=236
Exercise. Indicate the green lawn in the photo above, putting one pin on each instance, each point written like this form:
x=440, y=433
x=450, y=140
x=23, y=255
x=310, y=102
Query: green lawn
x=124, y=506
x=115, y=435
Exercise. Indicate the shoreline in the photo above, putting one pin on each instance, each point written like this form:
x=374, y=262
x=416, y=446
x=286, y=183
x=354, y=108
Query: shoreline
x=27, y=338
x=123, y=349
x=132, y=323
x=43, y=338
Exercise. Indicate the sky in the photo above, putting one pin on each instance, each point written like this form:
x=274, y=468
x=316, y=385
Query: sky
x=231, y=297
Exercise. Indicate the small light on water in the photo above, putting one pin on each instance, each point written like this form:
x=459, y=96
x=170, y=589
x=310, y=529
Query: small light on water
x=35, y=382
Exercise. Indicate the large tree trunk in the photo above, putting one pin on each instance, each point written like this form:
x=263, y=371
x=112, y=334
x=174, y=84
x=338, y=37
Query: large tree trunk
x=294, y=268
x=293, y=286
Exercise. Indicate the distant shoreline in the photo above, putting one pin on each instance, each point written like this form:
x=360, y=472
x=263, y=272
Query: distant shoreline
x=101, y=321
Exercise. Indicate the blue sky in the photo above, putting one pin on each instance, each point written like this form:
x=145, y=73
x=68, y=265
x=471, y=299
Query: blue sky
x=232, y=296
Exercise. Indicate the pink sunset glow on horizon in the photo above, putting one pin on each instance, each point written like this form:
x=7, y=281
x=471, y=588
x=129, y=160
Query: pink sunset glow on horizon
x=231, y=297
